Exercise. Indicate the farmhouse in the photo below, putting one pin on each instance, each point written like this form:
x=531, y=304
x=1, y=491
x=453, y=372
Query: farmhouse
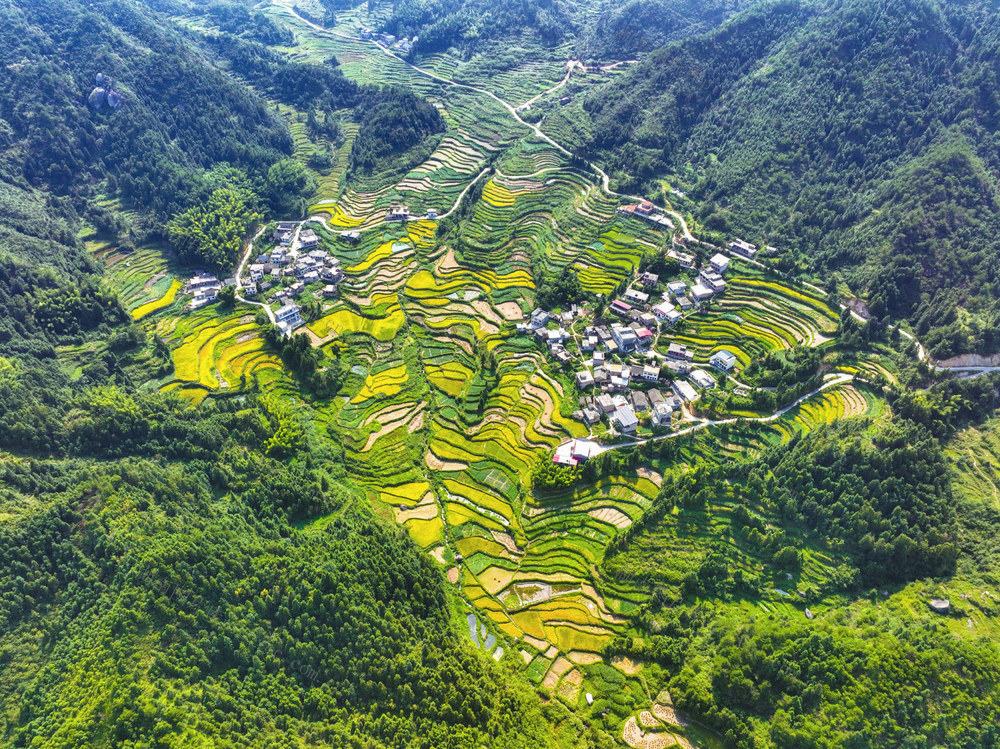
x=686, y=260
x=651, y=373
x=685, y=392
x=703, y=379
x=288, y=318
x=256, y=272
x=724, y=361
x=398, y=213
x=620, y=308
x=278, y=256
x=743, y=248
x=431, y=214
x=308, y=239
x=685, y=304
x=649, y=280
x=203, y=280
x=625, y=419
x=351, y=237
x=330, y=291
x=679, y=351
x=712, y=280
x=636, y=297
x=646, y=320
x=539, y=318
x=283, y=232
x=720, y=263
x=626, y=338
x=701, y=293
x=605, y=403
x=677, y=288
x=662, y=415
x=588, y=415
x=584, y=379
x=639, y=401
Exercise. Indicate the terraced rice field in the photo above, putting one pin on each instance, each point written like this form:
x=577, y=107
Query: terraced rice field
x=446, y=411
x=215, y=352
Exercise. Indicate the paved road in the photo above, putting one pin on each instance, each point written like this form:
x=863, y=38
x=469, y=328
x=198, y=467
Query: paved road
x=239, y=275
x=834, y=381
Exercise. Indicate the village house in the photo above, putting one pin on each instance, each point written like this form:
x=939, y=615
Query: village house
x=620, y=308
x=743, y=248
x=283, y=232
x=661, y=415
x=649, y=280
x=678, y=367
x=684, y=391
x=724, y=361
x=644, y=336
x=308, y=239
x=639, y=401
x=685, y=259
x=651, y=373
x=679, y=351
x=278, y=256
x=539, y=318
x=626, y=338
x=398, y=213
x=655, y=396
x=330, y=291
x=677, y=288
x=431, y=214
x=662, y=310
x=719, y=263
x=256, y=272
x=625, y=420
x=202, y=280
x=632, y=296
x=647, y=320
x=589, y=416
x=601, y=377
x=702, y=379
x=701, y=293
x=598, y=359
x=684, y=303
x=584, y=379
x=288, y=318
x=605, y=403
x=351, y=237
x=712, y=280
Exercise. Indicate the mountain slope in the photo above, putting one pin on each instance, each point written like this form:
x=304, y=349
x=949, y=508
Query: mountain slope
x=795, y=120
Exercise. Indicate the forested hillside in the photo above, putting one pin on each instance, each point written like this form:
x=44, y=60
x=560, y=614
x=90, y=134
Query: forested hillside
x=162, y=584
x=855, y=136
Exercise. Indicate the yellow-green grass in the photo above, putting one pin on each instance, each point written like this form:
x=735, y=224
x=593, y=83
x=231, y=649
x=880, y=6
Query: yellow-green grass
x=157, y=304
x=386, y=383
x=346, y=321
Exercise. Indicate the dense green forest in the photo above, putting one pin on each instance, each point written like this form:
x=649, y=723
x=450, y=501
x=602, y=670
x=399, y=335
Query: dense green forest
x=878, y=506
x=856, y=136
x=172, y=603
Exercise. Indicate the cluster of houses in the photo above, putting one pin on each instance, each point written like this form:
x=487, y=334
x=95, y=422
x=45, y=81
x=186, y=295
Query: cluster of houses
x=554, y=338
x=647, y=212
x=622, y=403
x=401, y=213
x=307, y=264
x=204, y=288
x=677, y=300
x=402, y=44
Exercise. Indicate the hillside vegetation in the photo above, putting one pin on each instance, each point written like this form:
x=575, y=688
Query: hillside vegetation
x=858, y=137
